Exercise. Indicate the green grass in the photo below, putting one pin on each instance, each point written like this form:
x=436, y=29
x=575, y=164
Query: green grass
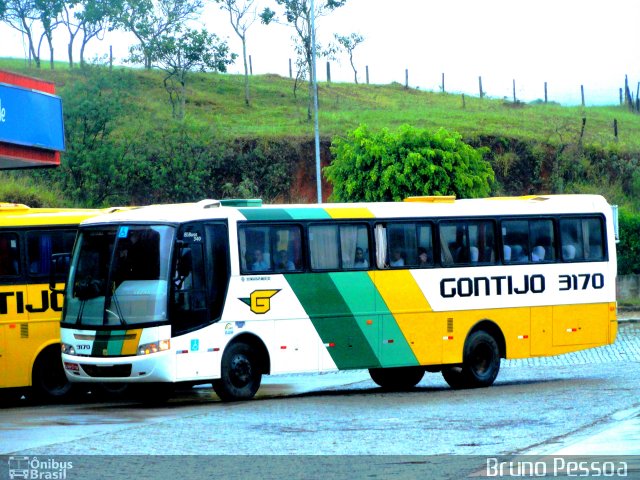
x=218, y=100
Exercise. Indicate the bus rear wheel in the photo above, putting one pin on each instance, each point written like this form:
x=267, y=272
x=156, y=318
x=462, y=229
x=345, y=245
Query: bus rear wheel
x=49, y=382
x=240, y=374
x=397, y=378
x=480, y=363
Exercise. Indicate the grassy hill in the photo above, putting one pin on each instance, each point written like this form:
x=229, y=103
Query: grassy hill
x=218, y=99
x=535, y=140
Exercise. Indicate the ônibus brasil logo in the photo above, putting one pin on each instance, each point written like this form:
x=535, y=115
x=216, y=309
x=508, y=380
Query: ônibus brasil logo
x=260, y=300
x=37, y=468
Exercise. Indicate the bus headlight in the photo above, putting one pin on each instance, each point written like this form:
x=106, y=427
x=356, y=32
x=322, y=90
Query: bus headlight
x=154, y=347
x=68, y=349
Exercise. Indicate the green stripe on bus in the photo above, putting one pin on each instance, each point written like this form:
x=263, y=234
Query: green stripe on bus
x=284, y=213
x=374, y=318
x=116, y=341
x=333, y=320
x=100, y=344
x=265, y=214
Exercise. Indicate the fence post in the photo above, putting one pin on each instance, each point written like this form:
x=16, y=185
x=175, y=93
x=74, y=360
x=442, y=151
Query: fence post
x=582, y=93
x=110, y=57
x=615, y=128
x=406, y=78
x=545, y=93
x=480, y=85
x=250, y=66
x=464, y=103
x=515, y=100
x=367, y=69
x=443, y=84
x=290, y=69
x=328, y=72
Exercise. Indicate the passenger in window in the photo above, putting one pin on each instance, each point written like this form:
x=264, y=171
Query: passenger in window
x=259, y=262
x=283, y=262
x=537, y=254
x=397, y=259
x=423, y=258
x=360, y=261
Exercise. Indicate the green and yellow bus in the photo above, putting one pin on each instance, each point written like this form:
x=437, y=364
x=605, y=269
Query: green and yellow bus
x=29, y=311
x=228, y=291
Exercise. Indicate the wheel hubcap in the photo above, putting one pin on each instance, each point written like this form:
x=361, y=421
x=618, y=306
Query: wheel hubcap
x=240, y=372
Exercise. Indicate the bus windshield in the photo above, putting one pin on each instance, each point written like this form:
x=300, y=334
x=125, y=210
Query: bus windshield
x=119, y=276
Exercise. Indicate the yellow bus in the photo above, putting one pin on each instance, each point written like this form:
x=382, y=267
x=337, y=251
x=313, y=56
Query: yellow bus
x=225, y=292
x=29, y=311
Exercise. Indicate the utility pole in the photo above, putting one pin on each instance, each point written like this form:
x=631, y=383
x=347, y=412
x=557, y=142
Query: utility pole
x=315, y=102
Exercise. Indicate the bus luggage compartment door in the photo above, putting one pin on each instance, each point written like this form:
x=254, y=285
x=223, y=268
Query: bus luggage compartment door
x=580, y=324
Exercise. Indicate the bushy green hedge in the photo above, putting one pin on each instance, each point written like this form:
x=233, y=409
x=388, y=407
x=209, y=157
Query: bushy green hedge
x=629, y=245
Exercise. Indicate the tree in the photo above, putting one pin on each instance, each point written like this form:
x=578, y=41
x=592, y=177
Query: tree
x=298, y=15
x=95, y=104
x=91, y=17
x=349, y=44
x=388, y=166
x=178, y=54
x=242, y=14
x=21, y=15
x=48, y=12
x=150, y=20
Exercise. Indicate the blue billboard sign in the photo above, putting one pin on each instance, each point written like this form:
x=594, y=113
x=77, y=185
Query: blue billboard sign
x=31, y=118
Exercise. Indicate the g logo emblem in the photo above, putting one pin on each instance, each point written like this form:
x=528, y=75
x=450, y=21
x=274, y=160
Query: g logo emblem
x=260, y=301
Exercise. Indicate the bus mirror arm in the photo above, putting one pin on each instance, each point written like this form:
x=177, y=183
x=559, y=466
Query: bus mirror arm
x=58, y=266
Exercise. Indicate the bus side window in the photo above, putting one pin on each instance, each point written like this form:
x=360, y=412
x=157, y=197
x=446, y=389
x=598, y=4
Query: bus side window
x=593, y=239
x=354, y=247
x=41, y=245
x=9, y=254
x=515, y=239
x=582, y=239
x=324, y=247
x=570, y=239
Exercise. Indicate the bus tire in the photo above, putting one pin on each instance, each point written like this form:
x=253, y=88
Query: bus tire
x=397, y=378
x=240, y=375
x=480, y=364
x=49, y=382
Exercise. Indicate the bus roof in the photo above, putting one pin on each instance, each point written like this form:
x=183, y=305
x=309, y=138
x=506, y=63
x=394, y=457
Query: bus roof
x=19, y=215
x=415, y=207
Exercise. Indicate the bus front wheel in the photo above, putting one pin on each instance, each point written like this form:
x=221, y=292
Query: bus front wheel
x=240, y=374
x=49, y=381
x=397, y=378
x=480, y=363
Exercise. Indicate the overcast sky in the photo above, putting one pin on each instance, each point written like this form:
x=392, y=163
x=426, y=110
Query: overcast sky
x=566, y=43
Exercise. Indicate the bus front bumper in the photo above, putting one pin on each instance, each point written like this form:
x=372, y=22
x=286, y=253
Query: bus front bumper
x=156, y=367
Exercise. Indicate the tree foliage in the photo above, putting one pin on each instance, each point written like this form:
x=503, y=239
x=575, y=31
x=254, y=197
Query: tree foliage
x=629, y=246
x=387, y=166
x=298, y=14
x=21, y=16
x=151, y=20
x=242, y=14
x=349, y=43
x=178, y=54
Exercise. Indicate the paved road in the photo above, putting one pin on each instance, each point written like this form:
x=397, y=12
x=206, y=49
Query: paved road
x=537, y=407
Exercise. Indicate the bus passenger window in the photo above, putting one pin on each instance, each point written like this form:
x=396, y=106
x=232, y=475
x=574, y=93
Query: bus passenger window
x=582, y=239
x=9, y=254
x=41, y=245
x=594, y=249
x=323, y=245
x=571, y=239
x=286, y=248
